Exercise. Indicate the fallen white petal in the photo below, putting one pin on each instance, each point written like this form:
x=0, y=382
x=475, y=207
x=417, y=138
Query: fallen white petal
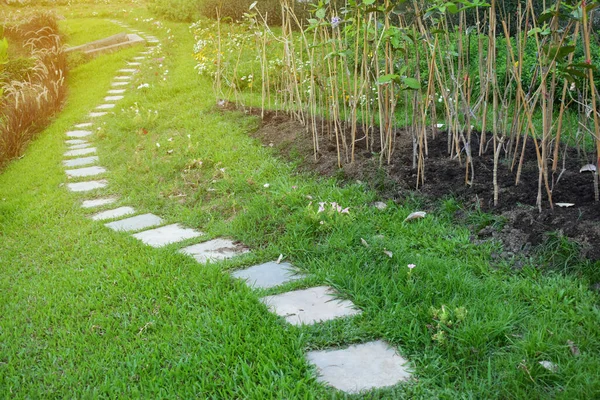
x=565, y=204
x=588, y=167
x=550, y=366
x=415, y=215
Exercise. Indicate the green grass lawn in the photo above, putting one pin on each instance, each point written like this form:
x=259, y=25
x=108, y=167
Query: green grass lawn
x=86, y=312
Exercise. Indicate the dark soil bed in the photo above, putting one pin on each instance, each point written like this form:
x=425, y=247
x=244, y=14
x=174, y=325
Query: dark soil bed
x=524, y=226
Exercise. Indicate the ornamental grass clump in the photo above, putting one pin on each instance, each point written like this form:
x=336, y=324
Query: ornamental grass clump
x=27, y=104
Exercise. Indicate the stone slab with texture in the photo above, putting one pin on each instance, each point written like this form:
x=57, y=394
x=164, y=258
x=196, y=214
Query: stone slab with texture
x=214, y=250
x=80, y=152
x=87, y=186
x=106, y=106
x=360, y=367
x=79, y=146
x=79, y=133
x=98, y=202
x=89, y=171
x=112, y=214
x=78, y=162
x=136, y=223
x=309, y=306
x=166, y=235
x=97, y=114
x=268, y=275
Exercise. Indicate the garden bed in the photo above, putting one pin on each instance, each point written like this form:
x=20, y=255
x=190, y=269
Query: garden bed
x=523, y=227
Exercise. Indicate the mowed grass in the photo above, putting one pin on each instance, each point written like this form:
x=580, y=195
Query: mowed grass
x=87, y=312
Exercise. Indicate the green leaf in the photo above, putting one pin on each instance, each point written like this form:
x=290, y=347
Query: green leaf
x=412, y=83
x=451, y=7
x=383, y=79
x=320, y=13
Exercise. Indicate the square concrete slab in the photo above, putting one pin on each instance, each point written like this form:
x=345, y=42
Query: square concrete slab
x=79, y=146
x=123, y=78
x=80, y=152
x=89, y=171
x=166, y=235
x=214, y=250
x=97, y=114
x=107, y=106
x=116, y=91
x=117, y=84
x=76, y=141
x=128, y=70
x=309, y=306
x=113, y=98
x=79, y=133
x=360, y=367
x=268, y=275
x=83, y=125
x=77, y=162
x=98, y=202
x=136, y=223
x=87, y=186
x=135, y=64
x=111, y=214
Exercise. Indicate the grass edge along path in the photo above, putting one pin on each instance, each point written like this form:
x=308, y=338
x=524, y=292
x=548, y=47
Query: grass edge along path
x=63, y=323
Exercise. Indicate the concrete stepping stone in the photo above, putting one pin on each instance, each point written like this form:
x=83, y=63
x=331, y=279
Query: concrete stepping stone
x=114, y=98
x=83, y=125
x=139, y=58
x=89, y=171
x=79, y=146
x=117, y=84
x=128, y=70
x=136, y=223
x=87, y=186
x=166, y=235
x=116, y=91
x=111, y=214
x=268, y=275
x=309, y=306
x=360, y=367
x=77, y=162
x=135, y=63
x=214, y=250
x=79, y=133
x=76, y=141
x=97, y=114
x=98, y=202
x=80, y=152
x=123, y=78
x=106, y=106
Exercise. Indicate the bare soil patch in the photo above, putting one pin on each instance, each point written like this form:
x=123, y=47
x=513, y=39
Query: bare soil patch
x=524, y=228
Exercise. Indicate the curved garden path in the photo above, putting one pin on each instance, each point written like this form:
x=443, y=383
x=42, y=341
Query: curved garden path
x=352, y=369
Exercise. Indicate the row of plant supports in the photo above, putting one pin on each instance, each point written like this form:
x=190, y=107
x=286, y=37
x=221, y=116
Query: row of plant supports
x=493, y=82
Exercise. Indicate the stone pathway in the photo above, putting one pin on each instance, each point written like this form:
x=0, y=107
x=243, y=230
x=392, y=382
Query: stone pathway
x=353, y=369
